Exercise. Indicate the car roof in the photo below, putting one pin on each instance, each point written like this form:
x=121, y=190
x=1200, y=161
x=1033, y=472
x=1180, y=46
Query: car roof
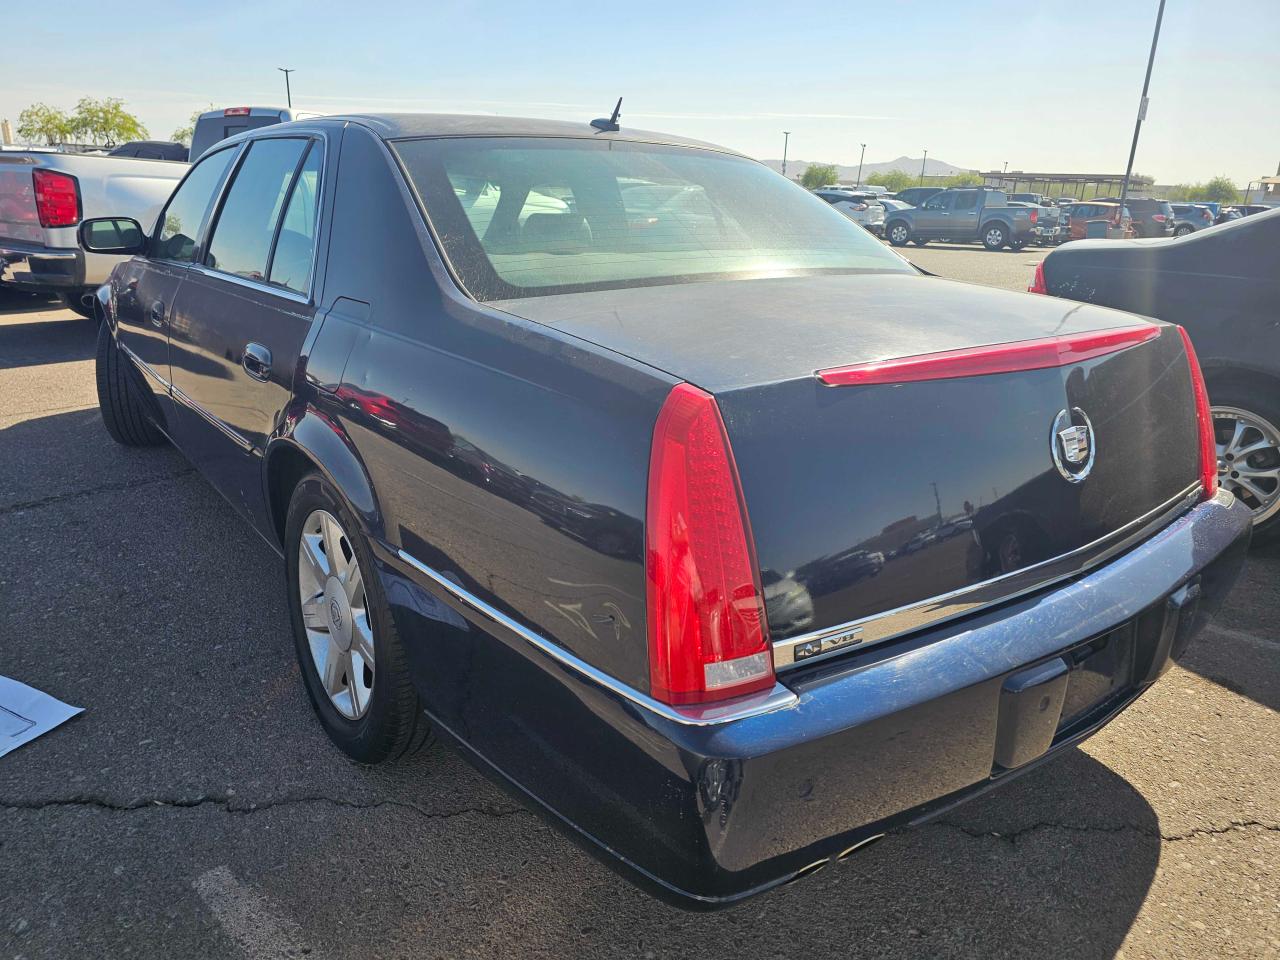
x=406, y=126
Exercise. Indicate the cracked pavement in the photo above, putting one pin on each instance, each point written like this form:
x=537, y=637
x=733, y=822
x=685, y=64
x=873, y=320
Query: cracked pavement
x=196, y=809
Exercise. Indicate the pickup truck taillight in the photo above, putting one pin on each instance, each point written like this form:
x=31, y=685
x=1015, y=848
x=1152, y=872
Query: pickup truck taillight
x=57, y=198
x=708, y=637
x=1035, y=214
x=1204, y=417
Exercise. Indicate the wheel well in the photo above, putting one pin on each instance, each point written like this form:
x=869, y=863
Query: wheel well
x=1244, y=379
x=285, y=468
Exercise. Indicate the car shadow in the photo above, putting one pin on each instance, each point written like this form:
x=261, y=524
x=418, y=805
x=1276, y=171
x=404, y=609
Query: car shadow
x=37, y=342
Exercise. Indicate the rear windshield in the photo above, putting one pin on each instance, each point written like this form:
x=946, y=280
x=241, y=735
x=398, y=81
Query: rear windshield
x=528, y=217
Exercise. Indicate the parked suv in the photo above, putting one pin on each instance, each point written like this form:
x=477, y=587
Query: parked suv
x=1151, y=218
x=1094, y=211
x=1190, y=217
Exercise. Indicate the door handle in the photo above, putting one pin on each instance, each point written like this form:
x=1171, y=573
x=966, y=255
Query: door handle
x=157, y=313
x=256, y=361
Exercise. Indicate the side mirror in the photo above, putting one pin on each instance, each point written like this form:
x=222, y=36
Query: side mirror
x=121, y=236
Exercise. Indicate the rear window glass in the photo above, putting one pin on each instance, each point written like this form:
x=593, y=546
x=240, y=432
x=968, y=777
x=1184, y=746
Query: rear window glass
x=523, y=217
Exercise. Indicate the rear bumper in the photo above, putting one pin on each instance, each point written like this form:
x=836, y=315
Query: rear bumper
x=33, y=267
x=706, y=814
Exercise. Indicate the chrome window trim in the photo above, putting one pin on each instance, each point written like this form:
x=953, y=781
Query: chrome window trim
x=238, y=439
x=215, y=204
x=282, y=292
x=742, y=708
x=891, y=624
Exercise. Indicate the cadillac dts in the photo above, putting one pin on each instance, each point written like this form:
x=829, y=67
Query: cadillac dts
x=686, y=509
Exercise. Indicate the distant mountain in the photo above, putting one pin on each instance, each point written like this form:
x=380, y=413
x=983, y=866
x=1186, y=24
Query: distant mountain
x=933, y=168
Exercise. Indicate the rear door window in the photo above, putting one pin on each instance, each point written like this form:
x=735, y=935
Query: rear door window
x=296, y=243
x=966, y=201
x=179, y=225
x=246, y=226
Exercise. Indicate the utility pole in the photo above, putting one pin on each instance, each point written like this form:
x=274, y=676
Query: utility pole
x=288, y=94
x=863, y=154
x=786, y=138
x=1006, y=167
x=1142, y=107
x=926, y=159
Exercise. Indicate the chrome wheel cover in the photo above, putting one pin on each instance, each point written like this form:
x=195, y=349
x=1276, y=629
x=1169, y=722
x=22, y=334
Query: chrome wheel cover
x=335, y=614
x=995, y=237
x=1249, y=459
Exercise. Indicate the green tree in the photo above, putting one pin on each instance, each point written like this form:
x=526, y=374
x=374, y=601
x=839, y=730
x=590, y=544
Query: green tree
x=183, y=135
x=105, y=122
x=893, y=180
x=819, y=175
x=41, y=122
x=1219, y=188
x=966, y=179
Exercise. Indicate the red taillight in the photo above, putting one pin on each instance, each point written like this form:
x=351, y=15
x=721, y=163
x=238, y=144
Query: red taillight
x=1204, y=418
x=1158, y=217
x=1035, y=215
x=708, y=637
x=1037, y=280
x=236, y=112
x=57, y=202
x=860, y=207
x=996, y=358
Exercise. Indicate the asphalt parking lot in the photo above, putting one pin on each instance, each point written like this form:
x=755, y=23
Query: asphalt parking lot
x=196, y=808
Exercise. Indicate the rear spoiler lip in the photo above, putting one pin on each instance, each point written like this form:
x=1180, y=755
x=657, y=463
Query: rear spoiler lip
x=1012, y=357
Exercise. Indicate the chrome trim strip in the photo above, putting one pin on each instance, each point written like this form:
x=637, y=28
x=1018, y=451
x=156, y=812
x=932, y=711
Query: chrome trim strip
x=144, y=366
x=251, y=284
x=238, y=439
x=754, y=705
x=891, y=624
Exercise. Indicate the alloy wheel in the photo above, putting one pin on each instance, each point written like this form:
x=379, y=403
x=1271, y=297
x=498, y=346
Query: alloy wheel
x=335, y=614
x=1249, y=459
x=899, y=234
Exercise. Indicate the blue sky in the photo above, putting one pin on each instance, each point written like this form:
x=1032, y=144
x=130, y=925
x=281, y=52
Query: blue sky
x=1044, y=86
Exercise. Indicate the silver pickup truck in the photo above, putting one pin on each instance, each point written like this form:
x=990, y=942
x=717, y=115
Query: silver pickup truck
x=965, y=214
x=45, y=194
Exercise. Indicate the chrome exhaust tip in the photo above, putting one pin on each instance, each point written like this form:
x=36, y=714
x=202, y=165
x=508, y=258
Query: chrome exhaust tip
x=861, y=844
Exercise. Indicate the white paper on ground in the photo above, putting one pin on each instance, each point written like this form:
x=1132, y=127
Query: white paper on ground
x=25, y=713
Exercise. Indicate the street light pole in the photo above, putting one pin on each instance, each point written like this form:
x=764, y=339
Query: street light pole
x=860, y=156
x=786, y=138
x=1142, y=106
x=926, y=160
x=288, y=94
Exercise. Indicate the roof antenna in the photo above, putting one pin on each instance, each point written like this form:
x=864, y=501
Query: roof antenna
x=610, y=125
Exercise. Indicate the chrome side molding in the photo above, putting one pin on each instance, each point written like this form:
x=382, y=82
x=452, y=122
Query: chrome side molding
x=879, y=627
x=741, y=708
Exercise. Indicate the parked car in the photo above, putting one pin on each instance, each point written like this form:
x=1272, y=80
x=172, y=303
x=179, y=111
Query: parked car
x=151, y=150
x=1066, y=201
x=647, y=420
x=43, y=197
x=1190, y=217
x=1039, y=199
x=1093, y=211
x=1222, y=285
x=916, y=195
x=966, y=214
x=1051, y=227
x=864, y=209
x=1151, y=218
x=1249, y=209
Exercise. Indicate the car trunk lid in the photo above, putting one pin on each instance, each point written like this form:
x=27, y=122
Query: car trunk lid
x=878, y=509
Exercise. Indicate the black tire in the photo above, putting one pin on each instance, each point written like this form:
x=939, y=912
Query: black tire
x=120, y=397
x=994, y=236
x=1259, y=405
x=898, y=232
x=1183, y=230
x=394, y=725
x=1016, y=245
x=72, y=300
x=919, y=241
